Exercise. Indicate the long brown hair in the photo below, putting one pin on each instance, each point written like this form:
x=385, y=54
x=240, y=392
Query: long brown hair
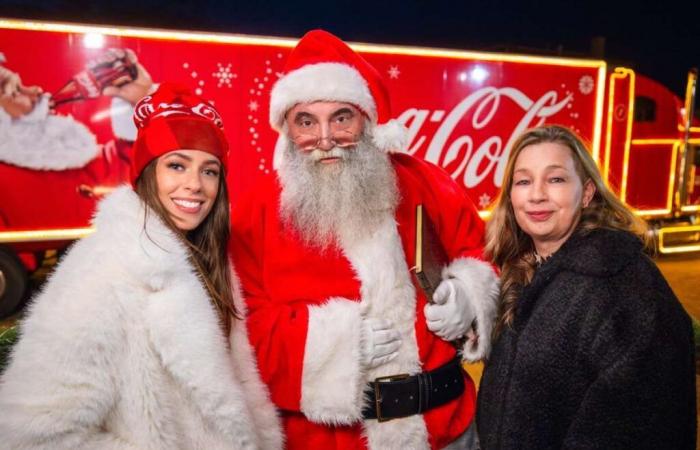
x=513, y=250
x=207, y=244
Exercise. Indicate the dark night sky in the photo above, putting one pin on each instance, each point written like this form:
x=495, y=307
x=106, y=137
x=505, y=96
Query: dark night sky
x=660, y=40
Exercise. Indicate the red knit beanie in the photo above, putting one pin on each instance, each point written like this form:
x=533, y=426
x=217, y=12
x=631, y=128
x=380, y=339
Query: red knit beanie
x=174, y=118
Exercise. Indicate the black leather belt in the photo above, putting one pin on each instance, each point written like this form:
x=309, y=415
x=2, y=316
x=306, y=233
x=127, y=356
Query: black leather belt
x=405, y=395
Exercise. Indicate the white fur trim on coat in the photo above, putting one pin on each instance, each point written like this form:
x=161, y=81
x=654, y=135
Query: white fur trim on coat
x=43, y=141
x=332, y=384
x=387, y=292
x=481, y=285
x=333, y=82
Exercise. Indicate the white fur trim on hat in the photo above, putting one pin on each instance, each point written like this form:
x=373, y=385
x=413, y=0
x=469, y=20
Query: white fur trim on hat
x=43, y=141
x=391, y=137
x=320, y=82
x=481, y=283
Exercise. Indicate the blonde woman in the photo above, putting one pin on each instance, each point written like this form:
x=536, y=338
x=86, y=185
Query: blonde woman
x=127, y=346
x=593, y=349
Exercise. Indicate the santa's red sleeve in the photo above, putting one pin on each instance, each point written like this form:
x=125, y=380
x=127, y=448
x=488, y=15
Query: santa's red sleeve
x=277, y=331
x=462, y=233
x=307, y=348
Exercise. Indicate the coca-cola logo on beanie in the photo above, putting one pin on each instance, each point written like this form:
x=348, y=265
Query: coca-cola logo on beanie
x=172, y=99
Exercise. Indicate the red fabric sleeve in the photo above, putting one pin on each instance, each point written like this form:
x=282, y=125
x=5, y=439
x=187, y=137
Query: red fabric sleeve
x=449, y=207
x=277, y=331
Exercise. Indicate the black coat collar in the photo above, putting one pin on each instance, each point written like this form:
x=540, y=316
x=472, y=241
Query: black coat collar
x=599, y=253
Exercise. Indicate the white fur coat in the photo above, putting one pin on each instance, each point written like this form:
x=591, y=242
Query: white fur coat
x=122, y=350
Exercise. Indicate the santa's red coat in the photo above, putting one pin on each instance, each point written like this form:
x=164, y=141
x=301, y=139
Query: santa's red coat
x=305, y=307
x=79, y=146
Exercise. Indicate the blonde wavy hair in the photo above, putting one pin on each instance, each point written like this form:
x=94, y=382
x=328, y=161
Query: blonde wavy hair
x=513, y=251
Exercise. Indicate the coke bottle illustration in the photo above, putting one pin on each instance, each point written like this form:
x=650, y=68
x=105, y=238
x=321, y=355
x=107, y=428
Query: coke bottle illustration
x=115, y=67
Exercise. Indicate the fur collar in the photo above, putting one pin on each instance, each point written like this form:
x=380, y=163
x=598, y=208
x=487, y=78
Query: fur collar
x=197, y=357
x=149, y=250
x=600, y=253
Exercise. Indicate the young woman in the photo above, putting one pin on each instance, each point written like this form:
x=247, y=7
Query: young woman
x=593, y=348
x=126, y=347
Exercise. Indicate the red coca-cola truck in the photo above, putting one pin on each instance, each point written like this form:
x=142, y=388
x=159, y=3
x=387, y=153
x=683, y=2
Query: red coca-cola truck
x=463, y=110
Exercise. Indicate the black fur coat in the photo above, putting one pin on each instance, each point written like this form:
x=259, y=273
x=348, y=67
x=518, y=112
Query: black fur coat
x=600, y=356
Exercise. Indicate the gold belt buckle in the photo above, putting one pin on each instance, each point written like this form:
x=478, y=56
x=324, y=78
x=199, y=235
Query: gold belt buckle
x=377, y=396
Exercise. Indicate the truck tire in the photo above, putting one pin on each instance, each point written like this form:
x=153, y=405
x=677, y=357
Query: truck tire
x=13, y=283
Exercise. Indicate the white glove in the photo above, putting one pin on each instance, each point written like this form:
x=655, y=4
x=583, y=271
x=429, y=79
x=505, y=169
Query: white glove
x=452, y=314
x=380, y=342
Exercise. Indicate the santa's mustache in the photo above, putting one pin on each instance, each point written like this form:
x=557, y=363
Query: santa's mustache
x=335, y=152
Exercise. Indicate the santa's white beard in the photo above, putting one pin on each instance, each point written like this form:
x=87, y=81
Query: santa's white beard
x=338, y=202
x=43, y=141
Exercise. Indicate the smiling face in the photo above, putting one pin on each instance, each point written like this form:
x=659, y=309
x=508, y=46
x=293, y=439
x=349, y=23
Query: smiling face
x=547, y=194
x=188, y=183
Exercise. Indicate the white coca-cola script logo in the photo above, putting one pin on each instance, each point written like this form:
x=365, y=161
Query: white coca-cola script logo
x=206, y=111
x=478, y=159
x=145, y=110
x=87, y=82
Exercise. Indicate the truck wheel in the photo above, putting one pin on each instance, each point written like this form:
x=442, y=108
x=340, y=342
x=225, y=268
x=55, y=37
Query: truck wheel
x=13, y=283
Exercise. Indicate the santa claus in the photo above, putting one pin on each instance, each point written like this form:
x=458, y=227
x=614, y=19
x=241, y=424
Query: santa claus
x=40, y=133
x=33, y=138
x=353, y=352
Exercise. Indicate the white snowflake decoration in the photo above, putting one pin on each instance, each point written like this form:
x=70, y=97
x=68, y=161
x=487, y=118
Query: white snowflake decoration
x=257, y=91
x=585, y=84
x=199, y=89
x=394, y=72
x=484, y=200
x=224, y=75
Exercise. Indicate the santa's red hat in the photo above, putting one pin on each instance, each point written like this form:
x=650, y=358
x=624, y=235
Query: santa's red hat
x=174, y=118
x=323, y=68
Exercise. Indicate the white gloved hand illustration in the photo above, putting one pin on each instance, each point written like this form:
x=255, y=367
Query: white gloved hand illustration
x=380, y=342
x=452, y=314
